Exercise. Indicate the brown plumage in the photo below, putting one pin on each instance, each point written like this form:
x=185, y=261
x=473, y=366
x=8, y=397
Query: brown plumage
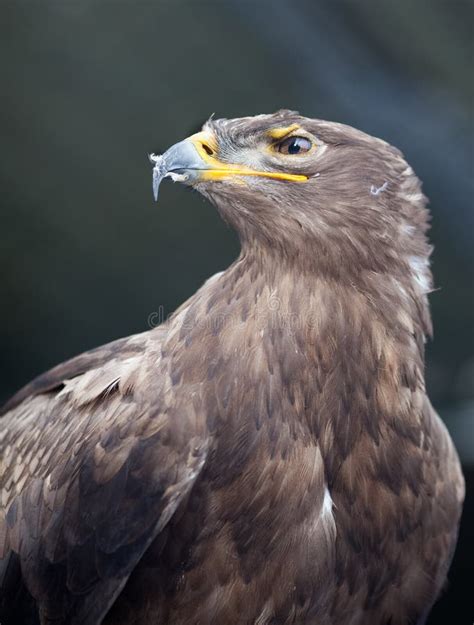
x=269, y=454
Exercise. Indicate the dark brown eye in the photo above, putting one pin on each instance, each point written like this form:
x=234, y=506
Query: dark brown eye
x=294, y=145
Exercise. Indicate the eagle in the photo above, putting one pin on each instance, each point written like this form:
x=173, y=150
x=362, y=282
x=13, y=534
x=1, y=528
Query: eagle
x=268, y=455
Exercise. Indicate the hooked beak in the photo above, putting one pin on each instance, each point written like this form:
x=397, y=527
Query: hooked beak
x=195, y=159
x=180, y=163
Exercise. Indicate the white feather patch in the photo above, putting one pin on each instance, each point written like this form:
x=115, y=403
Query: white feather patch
x=420, y=270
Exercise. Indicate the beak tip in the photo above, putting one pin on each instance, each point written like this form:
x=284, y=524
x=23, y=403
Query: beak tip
x=156, y=186
x=157, y=177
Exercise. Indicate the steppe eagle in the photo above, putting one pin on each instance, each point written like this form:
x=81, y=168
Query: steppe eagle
x=268, y=455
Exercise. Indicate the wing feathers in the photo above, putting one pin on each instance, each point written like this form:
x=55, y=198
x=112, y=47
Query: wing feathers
x=105, y=464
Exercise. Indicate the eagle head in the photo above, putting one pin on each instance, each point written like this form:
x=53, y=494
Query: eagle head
x=322, y=194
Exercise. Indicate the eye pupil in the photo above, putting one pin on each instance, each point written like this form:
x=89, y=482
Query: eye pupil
x=294, y=145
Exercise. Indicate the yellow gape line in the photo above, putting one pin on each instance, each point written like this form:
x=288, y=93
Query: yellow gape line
x=218, y=174
x=206, y=145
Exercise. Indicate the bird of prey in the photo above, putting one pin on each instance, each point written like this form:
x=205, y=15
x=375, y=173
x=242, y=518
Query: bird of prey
x=268, y=455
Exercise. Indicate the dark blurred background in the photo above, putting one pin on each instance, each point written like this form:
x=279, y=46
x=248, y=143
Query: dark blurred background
x=89, y=87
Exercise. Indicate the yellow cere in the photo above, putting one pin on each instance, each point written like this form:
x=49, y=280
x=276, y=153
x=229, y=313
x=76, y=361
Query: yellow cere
x=206, y=145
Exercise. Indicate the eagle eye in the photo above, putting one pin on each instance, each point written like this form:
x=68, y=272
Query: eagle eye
x=294, y=145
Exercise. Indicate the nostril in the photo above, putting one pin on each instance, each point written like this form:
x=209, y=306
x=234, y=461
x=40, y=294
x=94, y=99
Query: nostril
x=207, y=149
